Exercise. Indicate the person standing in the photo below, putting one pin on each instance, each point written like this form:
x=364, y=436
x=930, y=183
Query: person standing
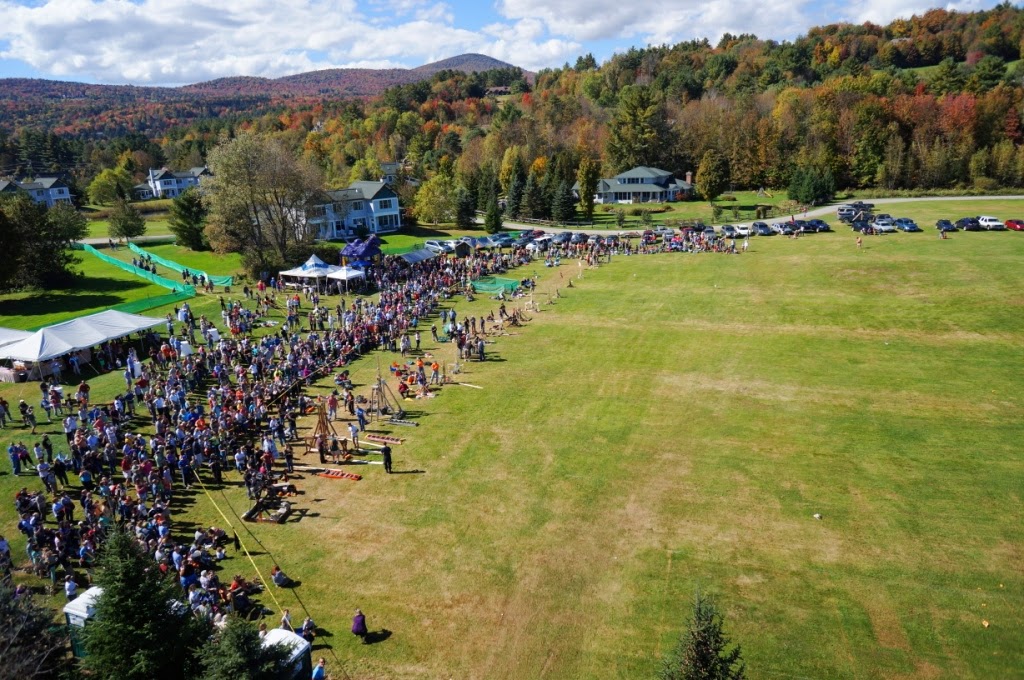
x=289, y=459
x=386, y=452
x=353, y=433
x=359, y=626
x=361, y=417
x=320, y=670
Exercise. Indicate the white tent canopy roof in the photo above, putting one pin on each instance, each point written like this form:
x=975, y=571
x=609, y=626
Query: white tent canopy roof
x=54, y=341
x=346, y=274
x=313, y=268
x=9, y=335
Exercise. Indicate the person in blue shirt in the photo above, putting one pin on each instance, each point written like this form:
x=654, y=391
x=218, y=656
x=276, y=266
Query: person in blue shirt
x=320, y=670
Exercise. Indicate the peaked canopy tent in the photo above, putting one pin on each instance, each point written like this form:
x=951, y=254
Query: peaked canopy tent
x=313, y=268
x=77, y=334
x=9, y=335
x=346, y=274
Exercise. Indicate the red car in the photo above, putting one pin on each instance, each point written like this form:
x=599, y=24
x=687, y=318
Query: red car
x=1016, y=225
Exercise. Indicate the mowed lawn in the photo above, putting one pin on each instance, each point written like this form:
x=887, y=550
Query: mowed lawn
x=674, y=422
x=207, y=261
x=156, y=225
x=101, y=287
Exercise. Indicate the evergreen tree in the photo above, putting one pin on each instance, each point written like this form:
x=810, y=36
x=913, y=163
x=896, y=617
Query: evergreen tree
x=701, y=652
x=563, y=209
x=588, y=175
x=465, y=209
x=126, y=221
x=493, y=221
x=637, y=134
x=534, y=205
x=949, y=77
x=188, y=220
x=620, y=218
x=712, y=175
x=514, y=198
x=141, y=631
x=237, y=653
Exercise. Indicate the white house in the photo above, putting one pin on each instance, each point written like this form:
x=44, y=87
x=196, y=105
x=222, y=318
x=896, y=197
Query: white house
x=47, y=190
x=166, y=184
x=640, y=185
x=369, y=206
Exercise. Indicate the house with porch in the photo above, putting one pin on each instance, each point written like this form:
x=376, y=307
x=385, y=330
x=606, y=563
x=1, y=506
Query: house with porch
x=641, y=185
x=166, y=184
x=49, y=191
x=370, y=207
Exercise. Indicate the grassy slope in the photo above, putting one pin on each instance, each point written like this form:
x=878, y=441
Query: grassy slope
x=155, y=226
x=675, y=421
x=102, y=286
x=209, y=262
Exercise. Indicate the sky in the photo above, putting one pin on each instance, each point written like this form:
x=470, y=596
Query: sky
x=156, y=42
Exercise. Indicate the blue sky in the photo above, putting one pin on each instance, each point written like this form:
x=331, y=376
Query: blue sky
x=153, y=42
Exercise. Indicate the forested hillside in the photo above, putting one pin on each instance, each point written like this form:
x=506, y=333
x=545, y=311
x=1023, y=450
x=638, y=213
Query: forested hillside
x=934, y=101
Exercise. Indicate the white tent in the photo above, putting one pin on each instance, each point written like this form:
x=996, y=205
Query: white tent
x=313, y=268
x=84, y=332
x=346, y=274
x=9, y=335
x=299, y=663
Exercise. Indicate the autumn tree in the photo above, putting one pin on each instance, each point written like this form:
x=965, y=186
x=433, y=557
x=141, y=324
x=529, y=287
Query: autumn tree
x=109, y=185
x=436, y=200
x=260, y=197
x=188, y=219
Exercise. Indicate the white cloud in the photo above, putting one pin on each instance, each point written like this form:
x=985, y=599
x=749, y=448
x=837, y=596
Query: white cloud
x=193, y=40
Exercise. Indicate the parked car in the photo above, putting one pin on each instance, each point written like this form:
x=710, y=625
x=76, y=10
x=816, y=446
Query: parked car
x=968, y=224
x=905, y=224
x=728, y=231
x=577, y=238
x=1016, y=225
x=537, y=233
x=762, y=229
x=884, y=225
x=945, y=225
x=611, y=240
x=523, y=241
x=991, y=223
x=503, y=240
x=436, y=247
x=742, y=230
x=561, y=238
x=819, y=225
x=664, y=231
x=709, y=232
x=783, y=228
x=860, y=225
x=846, y=212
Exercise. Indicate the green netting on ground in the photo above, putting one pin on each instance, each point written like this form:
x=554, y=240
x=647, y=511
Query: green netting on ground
x=139, y=306
x=176, y=286
x=171, y=264
x=493, y=284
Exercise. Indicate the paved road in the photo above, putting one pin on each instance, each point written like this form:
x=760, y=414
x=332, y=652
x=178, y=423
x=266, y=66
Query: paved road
x=816, y=212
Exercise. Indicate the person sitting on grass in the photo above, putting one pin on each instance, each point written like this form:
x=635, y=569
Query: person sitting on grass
x=279, y=578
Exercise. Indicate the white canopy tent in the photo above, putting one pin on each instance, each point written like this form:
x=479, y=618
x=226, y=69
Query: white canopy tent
x=9, y=335
x=313, y=268
x=346, y=274
x=82, y=333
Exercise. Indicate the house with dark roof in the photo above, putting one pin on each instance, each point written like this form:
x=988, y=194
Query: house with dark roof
x=47, y=190
x=362, y=206
x=641, y=185
x=166, y=184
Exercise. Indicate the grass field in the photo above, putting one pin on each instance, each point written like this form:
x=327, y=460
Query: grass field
x=101, y=287
x=155, y=226
x=212, y=263
x=674, y=422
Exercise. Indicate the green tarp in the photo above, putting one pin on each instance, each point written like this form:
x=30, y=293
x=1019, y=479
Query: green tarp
x=176, y=286
x=171, y=264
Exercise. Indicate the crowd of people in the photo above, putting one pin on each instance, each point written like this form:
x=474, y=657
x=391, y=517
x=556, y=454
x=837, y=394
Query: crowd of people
x=231, y=402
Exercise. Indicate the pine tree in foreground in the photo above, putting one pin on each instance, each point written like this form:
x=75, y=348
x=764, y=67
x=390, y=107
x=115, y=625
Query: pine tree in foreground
x=701, y=653
x=237, y=653
x=141, y=630
x=30, y=645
